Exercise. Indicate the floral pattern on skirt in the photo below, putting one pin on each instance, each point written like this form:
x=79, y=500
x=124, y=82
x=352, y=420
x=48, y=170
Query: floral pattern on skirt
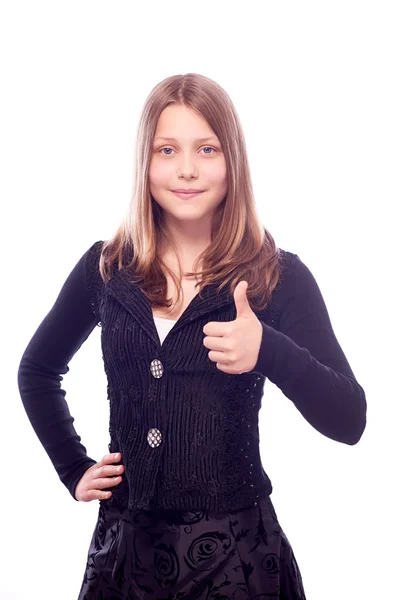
x=190, y=555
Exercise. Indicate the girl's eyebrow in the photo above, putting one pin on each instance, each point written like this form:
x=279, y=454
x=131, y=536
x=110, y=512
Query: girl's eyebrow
x=171, y=139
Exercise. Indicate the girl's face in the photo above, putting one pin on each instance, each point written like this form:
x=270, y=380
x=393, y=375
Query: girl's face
x=189, y=162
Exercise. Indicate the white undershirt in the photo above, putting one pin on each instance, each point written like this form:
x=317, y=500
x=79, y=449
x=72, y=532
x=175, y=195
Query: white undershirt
x=163, y=327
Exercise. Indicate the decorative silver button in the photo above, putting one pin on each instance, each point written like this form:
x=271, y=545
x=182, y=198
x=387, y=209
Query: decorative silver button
x=154, y=437
x=156, y=368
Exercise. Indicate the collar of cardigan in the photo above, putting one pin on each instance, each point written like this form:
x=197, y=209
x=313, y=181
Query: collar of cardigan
x=128, y=293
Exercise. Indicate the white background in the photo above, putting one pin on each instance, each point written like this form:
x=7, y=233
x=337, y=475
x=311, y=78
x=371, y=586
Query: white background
x=316, y=87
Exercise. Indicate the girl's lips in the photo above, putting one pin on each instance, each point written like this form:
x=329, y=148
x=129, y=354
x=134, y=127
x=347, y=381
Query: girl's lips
x=185, y=196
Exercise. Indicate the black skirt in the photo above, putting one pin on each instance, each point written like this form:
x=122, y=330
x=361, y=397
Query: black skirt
x=175, y=555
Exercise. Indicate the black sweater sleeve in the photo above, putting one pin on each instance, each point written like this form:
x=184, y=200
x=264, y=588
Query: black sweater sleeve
x=58, y=337
x=304, y=359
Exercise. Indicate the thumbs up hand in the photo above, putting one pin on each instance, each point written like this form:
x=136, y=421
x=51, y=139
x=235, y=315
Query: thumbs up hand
x=234, y=345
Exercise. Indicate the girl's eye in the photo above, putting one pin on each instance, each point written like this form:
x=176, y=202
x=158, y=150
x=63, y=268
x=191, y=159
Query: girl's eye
x=168, y=148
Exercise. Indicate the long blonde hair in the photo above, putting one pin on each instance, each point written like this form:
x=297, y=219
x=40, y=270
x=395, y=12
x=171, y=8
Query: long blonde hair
x=240, y=248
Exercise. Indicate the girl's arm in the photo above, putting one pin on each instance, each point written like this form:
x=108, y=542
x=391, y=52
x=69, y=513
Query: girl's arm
x=58, y=337
x=304, y=359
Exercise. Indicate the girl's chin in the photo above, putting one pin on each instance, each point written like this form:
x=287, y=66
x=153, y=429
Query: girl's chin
x=192, y=214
